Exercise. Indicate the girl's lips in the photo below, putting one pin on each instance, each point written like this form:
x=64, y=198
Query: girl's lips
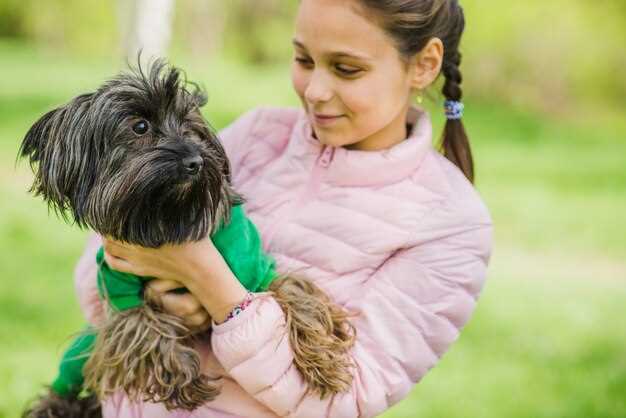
x=325, y=120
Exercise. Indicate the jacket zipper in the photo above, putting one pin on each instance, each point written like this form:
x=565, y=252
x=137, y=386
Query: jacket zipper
x=321, y=164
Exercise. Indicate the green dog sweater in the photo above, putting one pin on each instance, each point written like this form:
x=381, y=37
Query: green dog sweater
x=238, y=242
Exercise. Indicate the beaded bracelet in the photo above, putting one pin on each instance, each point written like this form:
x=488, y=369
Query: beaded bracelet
x=240, y=307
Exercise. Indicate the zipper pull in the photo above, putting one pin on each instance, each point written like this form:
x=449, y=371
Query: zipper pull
x=327, y=156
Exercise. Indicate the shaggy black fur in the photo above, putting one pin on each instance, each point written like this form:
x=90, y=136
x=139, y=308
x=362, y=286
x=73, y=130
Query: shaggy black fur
x=134, y=160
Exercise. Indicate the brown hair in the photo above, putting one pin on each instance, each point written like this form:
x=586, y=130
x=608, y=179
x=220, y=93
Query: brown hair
x=411, y=24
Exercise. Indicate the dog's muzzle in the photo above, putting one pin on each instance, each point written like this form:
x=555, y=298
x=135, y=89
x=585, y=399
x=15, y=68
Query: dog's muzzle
x=192, y=165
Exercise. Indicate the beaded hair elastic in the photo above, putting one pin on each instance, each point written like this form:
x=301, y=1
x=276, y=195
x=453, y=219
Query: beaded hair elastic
x=454, y=109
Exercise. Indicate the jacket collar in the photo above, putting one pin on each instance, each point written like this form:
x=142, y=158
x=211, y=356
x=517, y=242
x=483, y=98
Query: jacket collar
x=364, y=168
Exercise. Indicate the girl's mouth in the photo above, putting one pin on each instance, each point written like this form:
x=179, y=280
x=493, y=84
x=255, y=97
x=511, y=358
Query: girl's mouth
x=324, y=119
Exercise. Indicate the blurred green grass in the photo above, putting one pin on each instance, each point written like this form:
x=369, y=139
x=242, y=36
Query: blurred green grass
x=546, y=339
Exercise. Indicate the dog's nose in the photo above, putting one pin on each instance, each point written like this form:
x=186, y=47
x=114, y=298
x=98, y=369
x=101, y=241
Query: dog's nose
x=192, y=165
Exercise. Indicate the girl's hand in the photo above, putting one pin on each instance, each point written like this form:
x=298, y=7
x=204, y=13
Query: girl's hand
x=180, y=263
x=182, y=305
x=198, y=266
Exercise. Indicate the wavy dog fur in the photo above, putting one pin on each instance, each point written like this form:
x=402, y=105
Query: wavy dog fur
x=320, y=335
x=147, y=353
x=52, y=405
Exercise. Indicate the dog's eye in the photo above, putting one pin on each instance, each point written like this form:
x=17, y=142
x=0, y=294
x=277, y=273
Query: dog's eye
x=141, y=127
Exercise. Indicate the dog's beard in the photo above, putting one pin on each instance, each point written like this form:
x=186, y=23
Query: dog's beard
x=148, y=201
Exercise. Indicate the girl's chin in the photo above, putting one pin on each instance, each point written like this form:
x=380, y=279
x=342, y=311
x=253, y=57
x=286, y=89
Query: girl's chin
x=332, y=140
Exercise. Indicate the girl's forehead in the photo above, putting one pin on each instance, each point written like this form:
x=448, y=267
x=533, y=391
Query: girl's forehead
x=335, y=27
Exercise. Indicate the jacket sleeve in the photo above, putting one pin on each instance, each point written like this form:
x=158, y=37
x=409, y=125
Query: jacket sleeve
x=85, y=281
x=409, y=313
x=236, y=137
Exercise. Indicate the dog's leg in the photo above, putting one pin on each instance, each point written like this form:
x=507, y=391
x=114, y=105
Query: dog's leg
x=52, y=405
x=147, y=354
x=320, y=335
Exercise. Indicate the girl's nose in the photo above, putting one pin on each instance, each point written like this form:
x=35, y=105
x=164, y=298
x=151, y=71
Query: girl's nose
x=318, y=89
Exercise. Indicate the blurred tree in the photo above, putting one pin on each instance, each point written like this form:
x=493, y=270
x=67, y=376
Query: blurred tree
x=146, y=26
x=555, y=56
x=200, y=26
x=85, y=26
x=12, y=19
x=552, y=56
x=259, y=31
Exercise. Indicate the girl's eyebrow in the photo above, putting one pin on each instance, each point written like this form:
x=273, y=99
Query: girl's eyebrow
x=338, y=54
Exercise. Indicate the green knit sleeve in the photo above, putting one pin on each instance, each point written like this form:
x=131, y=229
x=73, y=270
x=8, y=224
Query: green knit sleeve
x=240, y=244
x=70, y=378
x=122, y=290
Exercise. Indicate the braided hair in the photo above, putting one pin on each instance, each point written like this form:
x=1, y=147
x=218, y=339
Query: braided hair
x=411, y=24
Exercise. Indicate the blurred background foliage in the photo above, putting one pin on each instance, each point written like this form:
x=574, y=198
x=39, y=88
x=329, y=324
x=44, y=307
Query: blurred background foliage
x=545, y=93
x=549, y=55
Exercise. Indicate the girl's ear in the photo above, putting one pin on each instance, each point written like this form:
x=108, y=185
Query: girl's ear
x=426, y=64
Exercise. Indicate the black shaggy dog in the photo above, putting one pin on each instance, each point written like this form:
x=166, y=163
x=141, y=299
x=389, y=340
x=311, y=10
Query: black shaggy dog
x=136, y=161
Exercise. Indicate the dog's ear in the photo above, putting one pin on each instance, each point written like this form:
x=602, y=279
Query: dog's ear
x=61, y=149
x=35, y=138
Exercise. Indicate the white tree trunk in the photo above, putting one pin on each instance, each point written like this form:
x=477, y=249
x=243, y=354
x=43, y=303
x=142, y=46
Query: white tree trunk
x=202, y=32
x=146, y=27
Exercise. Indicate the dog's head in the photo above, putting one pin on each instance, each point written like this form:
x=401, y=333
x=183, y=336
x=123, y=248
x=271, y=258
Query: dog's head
x=134, y=160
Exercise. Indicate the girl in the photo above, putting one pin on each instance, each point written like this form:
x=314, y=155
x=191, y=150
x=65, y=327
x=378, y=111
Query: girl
x=348, y=192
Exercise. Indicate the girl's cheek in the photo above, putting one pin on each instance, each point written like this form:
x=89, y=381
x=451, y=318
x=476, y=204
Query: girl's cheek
x=299, y=80
x=358, y=99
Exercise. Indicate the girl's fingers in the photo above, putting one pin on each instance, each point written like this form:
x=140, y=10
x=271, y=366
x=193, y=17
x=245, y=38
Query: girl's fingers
x=155, y=289
x=163, y=285
x=117, y=263
x=198, y=322
x=185, y=306
x=114, y=248
x=181, y=305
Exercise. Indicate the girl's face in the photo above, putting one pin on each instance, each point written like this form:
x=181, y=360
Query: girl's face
x=352, y=82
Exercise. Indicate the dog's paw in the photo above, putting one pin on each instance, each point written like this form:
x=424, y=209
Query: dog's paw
x=52, y=405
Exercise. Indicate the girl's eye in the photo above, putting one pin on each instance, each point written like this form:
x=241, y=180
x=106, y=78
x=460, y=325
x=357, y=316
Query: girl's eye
x=345, y=70
x=141, y=127
x=305, y=62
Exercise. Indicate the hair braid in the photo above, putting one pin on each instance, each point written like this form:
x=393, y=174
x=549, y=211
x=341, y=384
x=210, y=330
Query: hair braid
x=454, y=141
x=452, y=86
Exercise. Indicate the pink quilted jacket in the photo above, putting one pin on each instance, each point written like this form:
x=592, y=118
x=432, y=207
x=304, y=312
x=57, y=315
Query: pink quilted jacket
x=399, y=236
